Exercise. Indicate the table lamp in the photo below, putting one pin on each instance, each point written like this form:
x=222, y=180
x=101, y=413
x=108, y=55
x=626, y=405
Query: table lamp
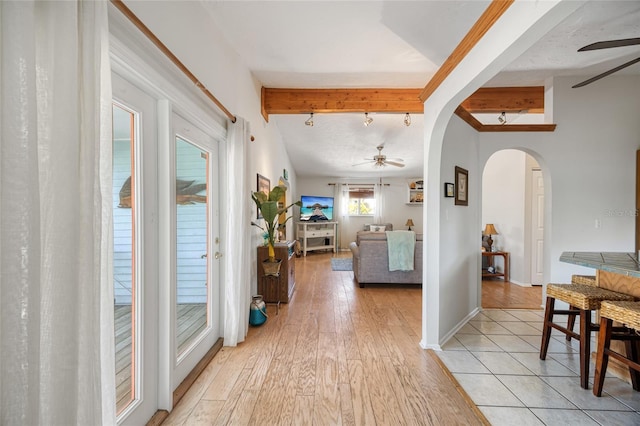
x=490, y=230
x=409, y=224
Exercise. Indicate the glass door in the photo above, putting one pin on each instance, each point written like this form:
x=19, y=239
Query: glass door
x=192, y=245
x=135, y=252
x=196, y=245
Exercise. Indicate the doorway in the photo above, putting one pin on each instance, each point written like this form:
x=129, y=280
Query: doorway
x=166, y=250
x=513, y=201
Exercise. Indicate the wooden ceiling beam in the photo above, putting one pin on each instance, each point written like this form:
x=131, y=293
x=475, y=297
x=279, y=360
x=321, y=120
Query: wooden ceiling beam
x=517, y=128
x=304, y=101
x=489, y=17
x=470, y=119
x=489, y=100
x=507, y=99
x=476, y=124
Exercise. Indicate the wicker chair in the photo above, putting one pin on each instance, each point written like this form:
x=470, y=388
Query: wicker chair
x=627, y=313
x=583, y=299
x=583, y=279
x=578, y=279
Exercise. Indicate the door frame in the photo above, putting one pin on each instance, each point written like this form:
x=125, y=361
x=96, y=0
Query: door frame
x=132, y=59
x=182, y=364
x=146, y=249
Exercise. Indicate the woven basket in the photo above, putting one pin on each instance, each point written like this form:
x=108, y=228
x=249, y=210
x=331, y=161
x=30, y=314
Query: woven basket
x=583, y=279
x=584, y=296
x=627, y=313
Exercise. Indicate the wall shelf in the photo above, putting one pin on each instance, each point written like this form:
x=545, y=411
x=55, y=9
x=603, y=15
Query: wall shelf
x=415, y=195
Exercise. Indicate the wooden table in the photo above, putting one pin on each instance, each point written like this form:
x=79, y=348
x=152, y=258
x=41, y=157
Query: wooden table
x=490, y=255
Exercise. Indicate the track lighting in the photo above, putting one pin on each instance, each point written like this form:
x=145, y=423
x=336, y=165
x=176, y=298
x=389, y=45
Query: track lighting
x=502, y=118
x=407, y=120
x=309, y=121
x=367, y=120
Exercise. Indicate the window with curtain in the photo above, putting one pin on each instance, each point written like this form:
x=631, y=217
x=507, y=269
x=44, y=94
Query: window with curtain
x=361, y=201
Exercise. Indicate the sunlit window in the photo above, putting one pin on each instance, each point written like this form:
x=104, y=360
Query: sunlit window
x=361, y=202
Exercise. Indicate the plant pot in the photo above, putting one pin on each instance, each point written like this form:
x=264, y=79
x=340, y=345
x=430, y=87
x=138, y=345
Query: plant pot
x=257, y=311
x=271, y=268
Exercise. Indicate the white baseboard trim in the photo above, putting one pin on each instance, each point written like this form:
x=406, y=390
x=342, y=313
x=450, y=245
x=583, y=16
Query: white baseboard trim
x=457, y=328
x=424, y=345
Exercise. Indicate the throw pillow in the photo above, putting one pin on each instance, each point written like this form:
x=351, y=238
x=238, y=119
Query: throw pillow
x=378, y=228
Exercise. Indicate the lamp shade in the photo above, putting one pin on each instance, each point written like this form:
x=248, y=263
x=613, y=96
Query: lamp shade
x=409, y=222
x=489, y=229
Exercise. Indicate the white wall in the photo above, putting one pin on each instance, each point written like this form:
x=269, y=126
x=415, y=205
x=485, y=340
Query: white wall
x=589, y=167
x=503, y=204
x=396, y=211
x=460, y=239
x=185, y=28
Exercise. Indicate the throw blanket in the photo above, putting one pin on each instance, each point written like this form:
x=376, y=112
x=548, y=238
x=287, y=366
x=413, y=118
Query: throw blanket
x=401, y=246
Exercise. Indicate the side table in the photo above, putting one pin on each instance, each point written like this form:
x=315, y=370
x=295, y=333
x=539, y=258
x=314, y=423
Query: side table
x=490, y=255
x=269, y=283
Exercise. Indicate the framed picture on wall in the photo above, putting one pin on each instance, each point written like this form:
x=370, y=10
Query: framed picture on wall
x=448, y=190
x=263, y=185
x=461, y=192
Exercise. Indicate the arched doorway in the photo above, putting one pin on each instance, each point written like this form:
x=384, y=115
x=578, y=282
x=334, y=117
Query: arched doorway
x=513, y=202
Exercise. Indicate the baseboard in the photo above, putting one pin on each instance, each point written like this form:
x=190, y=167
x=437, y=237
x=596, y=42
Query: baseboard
x=457, y=328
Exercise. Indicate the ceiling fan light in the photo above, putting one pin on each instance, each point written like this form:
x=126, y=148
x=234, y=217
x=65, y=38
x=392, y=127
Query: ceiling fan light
x=367, y=120
x=309, y=121
x=407, y=120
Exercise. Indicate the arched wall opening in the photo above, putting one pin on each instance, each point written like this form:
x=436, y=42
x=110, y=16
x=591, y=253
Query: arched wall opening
x=449, y=303
x=513, y=200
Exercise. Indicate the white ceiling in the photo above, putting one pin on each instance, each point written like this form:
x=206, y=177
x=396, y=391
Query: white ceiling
x=346, y=44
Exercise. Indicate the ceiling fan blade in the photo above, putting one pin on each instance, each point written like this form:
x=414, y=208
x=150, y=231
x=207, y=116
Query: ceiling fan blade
x=610, y=43
x=604, y=74
x=393, y=163
x=360, y=164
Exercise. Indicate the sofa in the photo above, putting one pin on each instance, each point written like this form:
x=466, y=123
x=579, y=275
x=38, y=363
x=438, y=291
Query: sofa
x=371, y=260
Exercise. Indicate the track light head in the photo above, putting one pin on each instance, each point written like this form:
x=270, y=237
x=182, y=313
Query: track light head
x=502, y=118
x=367, y=120
x=407, y=120
x=309, y=121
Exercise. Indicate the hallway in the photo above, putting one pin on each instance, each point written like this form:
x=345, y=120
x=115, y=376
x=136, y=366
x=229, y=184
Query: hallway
x=336, y=354
x=339, y=354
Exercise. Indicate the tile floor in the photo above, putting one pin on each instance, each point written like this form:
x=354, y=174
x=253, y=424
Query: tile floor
x=495, y=358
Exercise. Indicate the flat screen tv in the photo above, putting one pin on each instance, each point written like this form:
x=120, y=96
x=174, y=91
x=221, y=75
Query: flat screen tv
x=316, y=209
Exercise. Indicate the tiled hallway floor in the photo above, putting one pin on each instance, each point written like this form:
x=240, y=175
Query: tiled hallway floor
x=495, y=358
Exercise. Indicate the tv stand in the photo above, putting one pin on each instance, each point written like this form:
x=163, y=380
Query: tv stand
x=317, y=235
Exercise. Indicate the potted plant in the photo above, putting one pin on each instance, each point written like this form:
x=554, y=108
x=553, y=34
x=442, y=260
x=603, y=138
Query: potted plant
x=271, y=213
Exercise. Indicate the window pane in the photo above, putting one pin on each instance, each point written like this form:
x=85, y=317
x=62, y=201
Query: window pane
x=361, y=206
x=124, y=282
x=191, y=243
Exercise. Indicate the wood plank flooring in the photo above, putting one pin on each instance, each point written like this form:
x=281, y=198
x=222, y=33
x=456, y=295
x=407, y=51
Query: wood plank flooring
x=496, y=294
x=336, y=354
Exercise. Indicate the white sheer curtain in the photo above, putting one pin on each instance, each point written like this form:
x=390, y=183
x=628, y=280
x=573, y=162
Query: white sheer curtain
x=341, y=197
x=56, y=296
x=236, y=287
x=378, y=196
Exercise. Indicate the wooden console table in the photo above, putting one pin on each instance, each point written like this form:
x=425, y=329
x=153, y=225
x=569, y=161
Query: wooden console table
x=317, y=236
x=490, y=255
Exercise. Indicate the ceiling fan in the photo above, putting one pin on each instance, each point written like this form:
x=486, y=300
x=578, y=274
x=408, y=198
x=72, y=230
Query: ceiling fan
x=607, y=45
x=381, y=160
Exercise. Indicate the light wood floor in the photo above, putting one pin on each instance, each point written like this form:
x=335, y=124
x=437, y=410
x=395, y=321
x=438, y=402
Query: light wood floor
x=336, y=354
x=496, y=294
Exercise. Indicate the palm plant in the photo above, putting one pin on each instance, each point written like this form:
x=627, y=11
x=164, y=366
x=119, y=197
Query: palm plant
x=271, y=213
